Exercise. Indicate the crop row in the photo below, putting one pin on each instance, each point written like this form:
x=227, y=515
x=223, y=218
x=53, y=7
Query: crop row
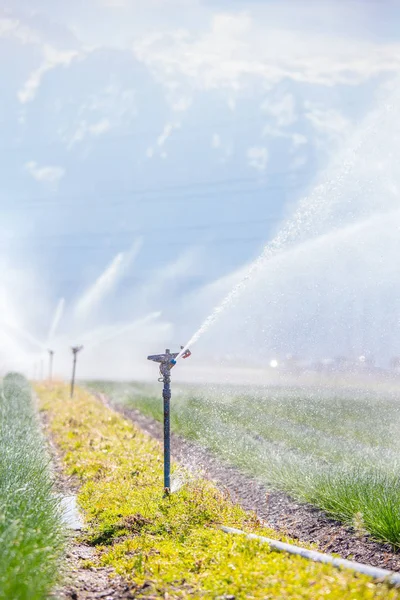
x=31, y=539
x=338, y=451
x=172, y=546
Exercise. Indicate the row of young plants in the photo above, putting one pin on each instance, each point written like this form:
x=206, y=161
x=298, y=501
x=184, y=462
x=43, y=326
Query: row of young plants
x=173, y=547
x=338, y=451
x=31, y=536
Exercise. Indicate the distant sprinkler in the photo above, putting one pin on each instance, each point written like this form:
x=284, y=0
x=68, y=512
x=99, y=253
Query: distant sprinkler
x=273, y=364
x=75, y=351
x=51, y=357
x=167, y=361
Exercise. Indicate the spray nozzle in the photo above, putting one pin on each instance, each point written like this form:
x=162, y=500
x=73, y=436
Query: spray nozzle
x=168, y=359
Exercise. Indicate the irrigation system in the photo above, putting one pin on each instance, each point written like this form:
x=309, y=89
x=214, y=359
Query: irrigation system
x=167, y=361
x=75, y=351
x=377, y=573
x=51, y=358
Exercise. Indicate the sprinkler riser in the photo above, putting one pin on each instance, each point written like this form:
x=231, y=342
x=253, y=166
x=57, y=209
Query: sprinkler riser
x=167, y=361
x=167, y=434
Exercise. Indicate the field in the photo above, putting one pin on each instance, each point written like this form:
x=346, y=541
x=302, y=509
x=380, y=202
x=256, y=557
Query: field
x=172, y=547
x=338, y=450
x=30, y=532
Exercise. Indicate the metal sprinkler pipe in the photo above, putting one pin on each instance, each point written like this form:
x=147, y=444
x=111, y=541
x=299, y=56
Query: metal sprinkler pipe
x=51, y=357
x=75, y=351
x=166, y=361
x=375, y=572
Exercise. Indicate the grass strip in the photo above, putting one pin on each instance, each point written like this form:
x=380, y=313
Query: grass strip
x=358, y=487
x=172, y=548
x=30, y=530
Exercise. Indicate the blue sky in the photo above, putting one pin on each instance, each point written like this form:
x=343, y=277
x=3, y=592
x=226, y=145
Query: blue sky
x=180, y=133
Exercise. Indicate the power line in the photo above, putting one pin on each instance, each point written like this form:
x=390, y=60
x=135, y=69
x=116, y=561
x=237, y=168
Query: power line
x=117, y=197
x=163, y=243
x=143, y=232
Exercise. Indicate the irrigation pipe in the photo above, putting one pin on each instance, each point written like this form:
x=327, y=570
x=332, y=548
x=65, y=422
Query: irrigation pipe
x=374, y=572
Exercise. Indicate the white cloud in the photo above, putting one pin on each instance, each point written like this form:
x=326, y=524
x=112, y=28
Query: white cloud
x=216, y=141
x=13, y=28
x=236, y=49
x=166, y=133
x=111, y=108
x=258, y=157
x=46, y=174
x=325, y=121
x=52, y=59
x=223, y=148
x=116, y=103
x=182, y=104
x=298, y=140
x=100, y=127
x=282, y=110
x=85, y=129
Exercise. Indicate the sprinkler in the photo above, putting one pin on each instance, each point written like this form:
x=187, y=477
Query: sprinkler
x=75, y=351
x=51, y=357
x=167, y=361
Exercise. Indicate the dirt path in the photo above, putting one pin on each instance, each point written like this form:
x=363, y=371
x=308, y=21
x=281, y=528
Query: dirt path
x=282, y=513
x=81, y=582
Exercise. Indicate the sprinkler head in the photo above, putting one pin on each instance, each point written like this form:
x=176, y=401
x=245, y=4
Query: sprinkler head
x=168, y=358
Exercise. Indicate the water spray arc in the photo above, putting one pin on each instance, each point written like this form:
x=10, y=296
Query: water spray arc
x=167, y=361
x=75, y=351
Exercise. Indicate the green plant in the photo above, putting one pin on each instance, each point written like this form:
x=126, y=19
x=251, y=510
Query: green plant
x=337, y=450
x=30, y=532
x=172, y=547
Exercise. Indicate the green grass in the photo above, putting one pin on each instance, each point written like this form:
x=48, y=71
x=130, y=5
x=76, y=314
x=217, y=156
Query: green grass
x=337, y=450
x=30, y=530
x=172, y=547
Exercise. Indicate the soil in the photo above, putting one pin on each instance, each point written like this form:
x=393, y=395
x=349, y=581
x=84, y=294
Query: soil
x=81, y=582
x=282, y=513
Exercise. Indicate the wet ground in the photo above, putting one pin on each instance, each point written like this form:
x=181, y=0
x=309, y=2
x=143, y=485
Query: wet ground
x=282, y=513
x=81, y=581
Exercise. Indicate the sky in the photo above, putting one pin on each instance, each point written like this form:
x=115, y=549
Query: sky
x=150, y=150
